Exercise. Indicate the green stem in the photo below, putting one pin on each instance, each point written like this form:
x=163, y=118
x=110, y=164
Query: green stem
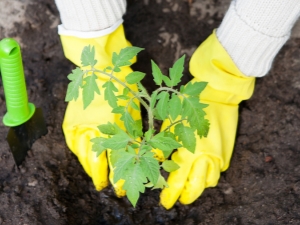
x=123, y=84
x=172, y=124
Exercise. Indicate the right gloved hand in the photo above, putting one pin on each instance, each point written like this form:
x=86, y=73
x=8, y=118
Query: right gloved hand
x=226, y=88
x=80, y=125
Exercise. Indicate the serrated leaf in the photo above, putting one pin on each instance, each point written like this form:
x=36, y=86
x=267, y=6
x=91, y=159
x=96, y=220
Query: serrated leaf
x=123, y=97
x=109, y=94
x=134, y=183
x=128, y=121
x=137, y=128
x=134, y=105
x=125, y=91
x=88, y=56
x=170, y=166
x=167, y=81
x=203, y=128
x=119, y=109
x=130, y=149
x=176, y=72
x=190, y=105
x=193, y=111
x=150, y=167
x=98, y=145
x=124, y=161
x=156, y=72
x=194, y=89
x=166, y=144
x=125, y=56
x=148, y=185
x=162, y=104
x=148, y=134
x=153, y=99
x=174, y=106
x=134, y=77
x=73, y=87
x=186, y=136
x=108, y=129
x=161, y=183
x=118, y=141
x=89, y=88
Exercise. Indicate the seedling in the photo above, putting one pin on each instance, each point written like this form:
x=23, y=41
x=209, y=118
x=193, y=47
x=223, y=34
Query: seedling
x=131, y=149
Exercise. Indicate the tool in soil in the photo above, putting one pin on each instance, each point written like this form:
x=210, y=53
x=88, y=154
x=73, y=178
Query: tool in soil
x=26, y=122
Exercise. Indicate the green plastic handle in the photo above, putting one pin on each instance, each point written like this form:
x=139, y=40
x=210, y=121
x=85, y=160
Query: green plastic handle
x=11, y=67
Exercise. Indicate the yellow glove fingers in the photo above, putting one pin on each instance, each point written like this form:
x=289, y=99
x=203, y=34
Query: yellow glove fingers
x=176, y=180
x=95, y=167
x=204, y=173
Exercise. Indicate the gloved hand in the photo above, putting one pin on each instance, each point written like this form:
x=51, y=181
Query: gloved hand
x=226, y=88
x=80, y=125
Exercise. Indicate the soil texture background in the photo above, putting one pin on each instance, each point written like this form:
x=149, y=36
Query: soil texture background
x=262, y=185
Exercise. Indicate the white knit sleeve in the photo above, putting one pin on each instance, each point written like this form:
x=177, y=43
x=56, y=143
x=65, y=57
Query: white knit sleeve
x=253, y=31
x=90, y=18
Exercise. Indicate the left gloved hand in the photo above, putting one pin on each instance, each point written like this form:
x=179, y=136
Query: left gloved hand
x=226, y=88
x=80, y=125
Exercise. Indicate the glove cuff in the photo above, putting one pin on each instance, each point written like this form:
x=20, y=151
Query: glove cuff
x=92, y=15
x=211, y=63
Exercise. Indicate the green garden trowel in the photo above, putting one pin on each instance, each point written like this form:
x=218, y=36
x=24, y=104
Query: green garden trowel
x=26, y=122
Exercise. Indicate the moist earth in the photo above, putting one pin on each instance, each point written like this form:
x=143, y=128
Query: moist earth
x=262, y=185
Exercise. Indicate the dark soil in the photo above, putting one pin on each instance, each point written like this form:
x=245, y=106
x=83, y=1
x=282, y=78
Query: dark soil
x=262, y=186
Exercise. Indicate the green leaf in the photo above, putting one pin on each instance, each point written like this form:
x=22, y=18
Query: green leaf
x=186, y=136
x=170, y=166
x=76, y=83
x=203, y=128
x=89, y=88
x=108, y=129
x=123, y=97
x=125, y=91
x=109, y=94
x=148, y=134
x=190, y=106
x=153, y=99
x=130, y=149
x=174, y=106
x=176, y=72
x=124, y=57
x=134, y=183
x=124, y=161
x=161, y=183
x=193, y=111
x=98, y=145
x=194, y=89
x=157, y=74
x=134, y=105
x=137, y=128
x=134, y=77
x=88, y=56
x=167, y=81
x=118, y=141
x=150, y=167
x=119, y=110
x=162, y=104
x=165, y=144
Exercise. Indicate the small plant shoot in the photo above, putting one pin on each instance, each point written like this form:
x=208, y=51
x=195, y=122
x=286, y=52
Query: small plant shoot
x=131, y=147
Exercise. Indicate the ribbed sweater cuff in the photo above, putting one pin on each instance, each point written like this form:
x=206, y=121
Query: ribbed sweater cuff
x=253, y=48
x=90, y=15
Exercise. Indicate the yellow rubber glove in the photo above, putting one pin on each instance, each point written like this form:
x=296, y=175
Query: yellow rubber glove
x=226, y=88
x=80, y=125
